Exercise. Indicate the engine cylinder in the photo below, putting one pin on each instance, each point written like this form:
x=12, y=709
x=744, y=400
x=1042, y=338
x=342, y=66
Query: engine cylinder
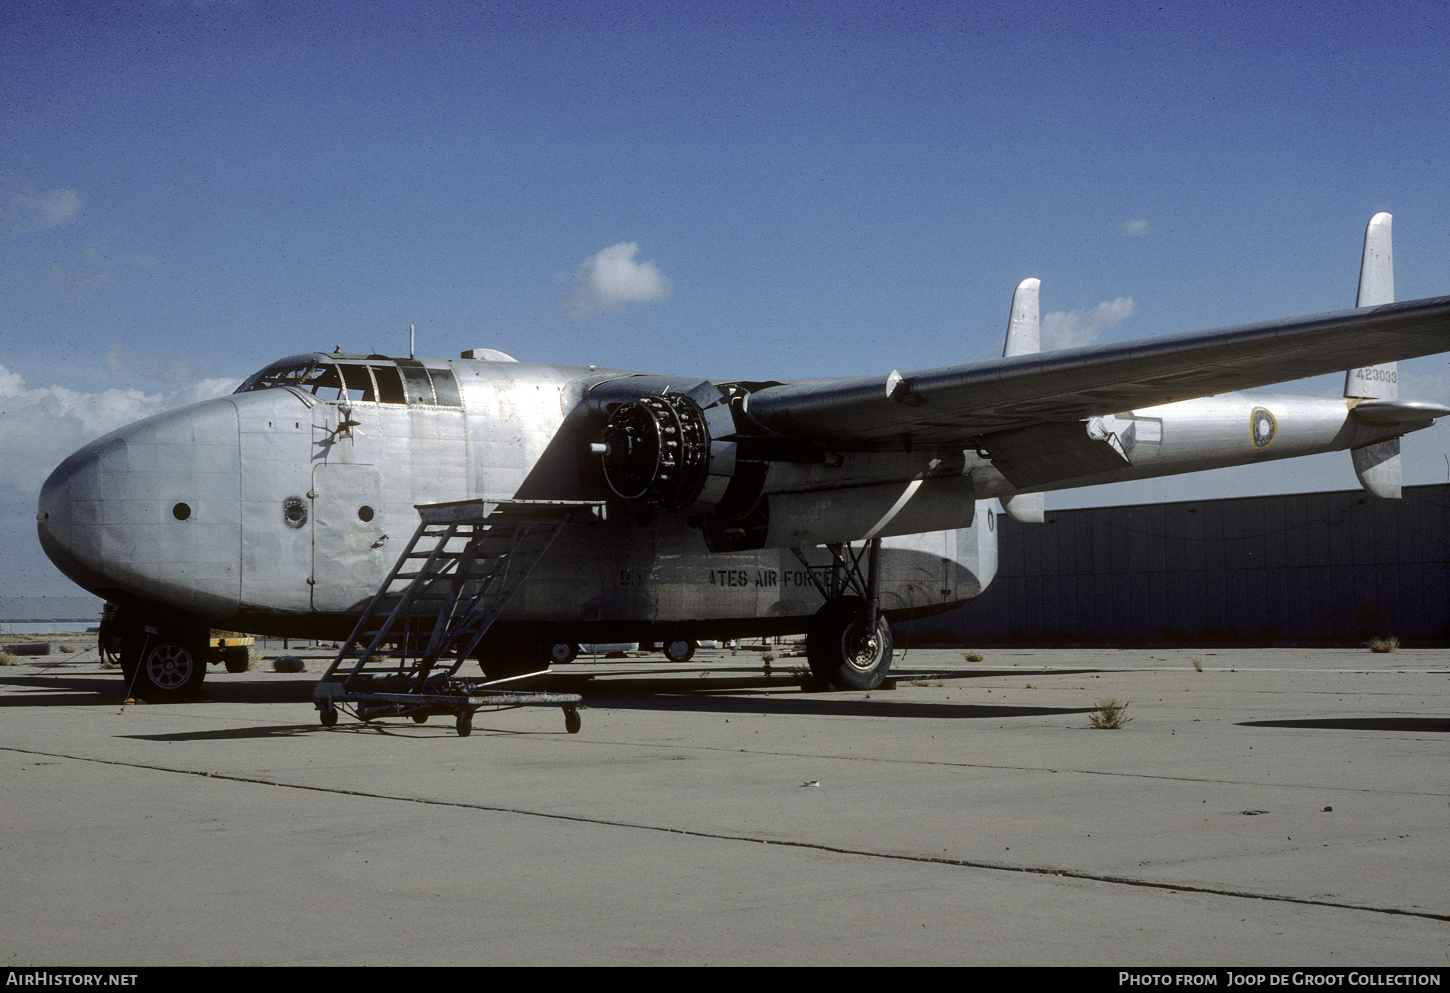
x=658, y=451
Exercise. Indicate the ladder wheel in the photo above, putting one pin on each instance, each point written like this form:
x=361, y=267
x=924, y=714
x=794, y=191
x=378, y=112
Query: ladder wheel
x=465, y=724
x=572, y=722
x=327, y=714
x=420, y=718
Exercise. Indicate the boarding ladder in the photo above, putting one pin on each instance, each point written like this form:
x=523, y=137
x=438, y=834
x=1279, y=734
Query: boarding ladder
x=464, y=562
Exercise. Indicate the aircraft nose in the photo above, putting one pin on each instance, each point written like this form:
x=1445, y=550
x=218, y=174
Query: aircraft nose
x=151, y=511
x=68, y=501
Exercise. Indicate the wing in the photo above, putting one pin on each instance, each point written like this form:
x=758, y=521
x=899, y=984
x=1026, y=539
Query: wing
x=951, y=406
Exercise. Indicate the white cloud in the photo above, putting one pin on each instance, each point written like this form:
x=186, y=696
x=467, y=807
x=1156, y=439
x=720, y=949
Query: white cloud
x=1137, y=228
x=1069, y=329
x=612, y=278
x=37, y=209
x=40, y=427
x=155, y=367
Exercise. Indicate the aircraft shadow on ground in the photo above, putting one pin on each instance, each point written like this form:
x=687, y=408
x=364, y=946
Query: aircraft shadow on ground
x=1413, y=724
x=89, y=689
x=713, y=690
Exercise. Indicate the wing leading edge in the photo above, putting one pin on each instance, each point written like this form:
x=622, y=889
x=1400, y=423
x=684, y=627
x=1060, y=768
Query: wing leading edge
x=950, y=406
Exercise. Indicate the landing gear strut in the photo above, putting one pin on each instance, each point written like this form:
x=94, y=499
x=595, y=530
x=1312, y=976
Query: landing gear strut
x=848, y=645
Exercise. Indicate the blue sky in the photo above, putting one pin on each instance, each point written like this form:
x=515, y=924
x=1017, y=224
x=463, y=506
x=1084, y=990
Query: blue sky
x=772, y=190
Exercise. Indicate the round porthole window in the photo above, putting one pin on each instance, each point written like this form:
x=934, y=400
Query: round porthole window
x=294, y=512
x=365, y=513
x=181, y=511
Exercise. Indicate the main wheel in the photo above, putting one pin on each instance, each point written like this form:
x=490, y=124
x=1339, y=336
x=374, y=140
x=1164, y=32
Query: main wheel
x=680, y=650
x=563, y=652
x=843, y=651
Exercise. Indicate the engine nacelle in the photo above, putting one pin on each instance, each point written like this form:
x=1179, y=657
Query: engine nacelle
x=663, y=450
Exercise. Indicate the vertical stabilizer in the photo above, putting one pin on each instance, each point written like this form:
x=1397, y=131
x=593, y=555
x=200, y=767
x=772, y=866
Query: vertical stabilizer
x=1024, y=336
x=1378, y=468
x=1376, y=465
x=1376, y=286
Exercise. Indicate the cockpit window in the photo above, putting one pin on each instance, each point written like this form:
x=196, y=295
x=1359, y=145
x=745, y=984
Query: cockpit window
x=390, y=385
x=358, y=382
x=303, y=376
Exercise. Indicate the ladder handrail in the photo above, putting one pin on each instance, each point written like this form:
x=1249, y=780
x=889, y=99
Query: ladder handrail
x=515, y=523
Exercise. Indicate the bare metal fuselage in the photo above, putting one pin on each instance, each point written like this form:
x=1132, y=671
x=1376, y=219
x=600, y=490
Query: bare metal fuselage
x=278, y=510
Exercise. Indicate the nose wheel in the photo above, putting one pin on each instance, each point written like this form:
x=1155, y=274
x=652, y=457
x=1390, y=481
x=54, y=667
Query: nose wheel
x=163, y=663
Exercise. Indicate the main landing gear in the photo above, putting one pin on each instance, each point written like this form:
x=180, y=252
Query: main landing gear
x=848, y=644
x=844, y=649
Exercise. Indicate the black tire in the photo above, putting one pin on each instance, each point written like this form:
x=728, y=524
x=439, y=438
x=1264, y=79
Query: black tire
x=572, y=722
x=500, y=658
x=236, y=658
x=327, y=714
x=171, y=667
x=842, y=652
x=563, y=653
x=680, y=650
x=465, y=724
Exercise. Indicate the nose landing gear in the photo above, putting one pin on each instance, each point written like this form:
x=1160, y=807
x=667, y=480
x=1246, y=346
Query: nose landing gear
x=161, y=661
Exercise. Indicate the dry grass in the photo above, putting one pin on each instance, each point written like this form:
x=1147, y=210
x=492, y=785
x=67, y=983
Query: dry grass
x=1197, y=661
x=1110, y=715
x=1383, y=646
x=973, y=656
x=7, y=659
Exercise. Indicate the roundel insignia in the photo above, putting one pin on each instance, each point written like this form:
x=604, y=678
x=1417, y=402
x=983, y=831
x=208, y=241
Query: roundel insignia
x=1263, y=427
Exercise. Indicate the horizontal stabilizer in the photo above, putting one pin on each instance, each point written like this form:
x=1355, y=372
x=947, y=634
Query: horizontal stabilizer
x=1390, y=412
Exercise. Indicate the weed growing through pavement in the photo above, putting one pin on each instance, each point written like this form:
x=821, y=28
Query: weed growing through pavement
x=1383, y=646
x=1110, y=715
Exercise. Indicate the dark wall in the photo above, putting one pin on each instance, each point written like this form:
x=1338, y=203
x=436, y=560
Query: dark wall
x=1302, y=568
